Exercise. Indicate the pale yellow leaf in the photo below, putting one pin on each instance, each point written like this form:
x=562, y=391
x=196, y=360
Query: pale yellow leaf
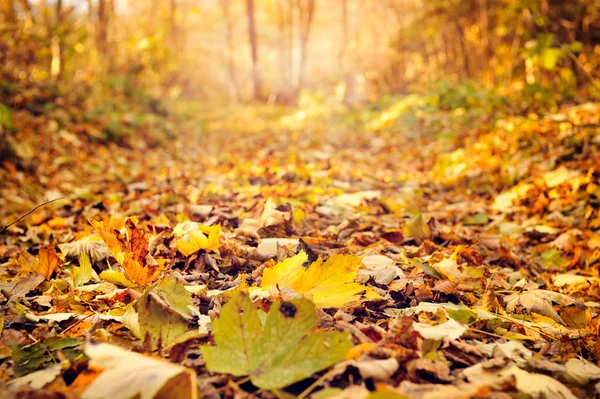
x=190, y=237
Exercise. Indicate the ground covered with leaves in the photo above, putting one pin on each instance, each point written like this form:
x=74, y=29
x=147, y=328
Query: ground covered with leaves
x=408, y=252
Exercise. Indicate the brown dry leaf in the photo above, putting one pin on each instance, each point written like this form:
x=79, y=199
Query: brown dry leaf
x=532, y=303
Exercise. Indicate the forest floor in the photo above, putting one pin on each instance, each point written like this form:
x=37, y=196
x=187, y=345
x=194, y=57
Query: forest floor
x=478, y=236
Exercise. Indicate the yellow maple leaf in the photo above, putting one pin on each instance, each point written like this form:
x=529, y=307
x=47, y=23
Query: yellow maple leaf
x=329, y=284
x=191, y=237
x=131, y=254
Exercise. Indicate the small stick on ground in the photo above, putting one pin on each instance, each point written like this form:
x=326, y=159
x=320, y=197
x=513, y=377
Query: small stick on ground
x=29, y=213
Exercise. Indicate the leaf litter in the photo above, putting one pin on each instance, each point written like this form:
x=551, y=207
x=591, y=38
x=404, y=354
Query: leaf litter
x=251, y=262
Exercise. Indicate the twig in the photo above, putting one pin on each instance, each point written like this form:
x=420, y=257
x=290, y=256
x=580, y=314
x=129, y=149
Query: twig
x=29, y=213
x=582, y=67
x=318, y=382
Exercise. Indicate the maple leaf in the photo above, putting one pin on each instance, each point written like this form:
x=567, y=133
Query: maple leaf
x=162, y=314
x=329, y=284
x=131, y=254
x=46, y=263
x=278, y=353
x=191, y=237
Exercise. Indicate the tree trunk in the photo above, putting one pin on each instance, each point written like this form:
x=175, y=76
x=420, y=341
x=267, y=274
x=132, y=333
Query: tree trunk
x=343, y=65
x=173, y=33
x=486, y=56
x=463, y=51
x=306, y=17
x=234, y=91
x=102, y=36
x=282, y=52
x=256, y=92
x=290, y=44
x=56, y=65
x=7, y=11
x=27, y=11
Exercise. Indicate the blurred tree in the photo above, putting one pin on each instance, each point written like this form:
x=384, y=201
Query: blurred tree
x=234, y=91
x=56, y=66
x=534, y=50
x=256, y=92
x=102, y=28
x=306, y=10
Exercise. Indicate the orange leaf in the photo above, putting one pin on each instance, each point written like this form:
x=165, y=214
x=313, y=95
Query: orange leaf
x=131, y=254
x=45, y=264
x=48, y=261
x=138, y=242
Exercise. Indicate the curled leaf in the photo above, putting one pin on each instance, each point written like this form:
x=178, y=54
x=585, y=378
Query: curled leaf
x=190, y=237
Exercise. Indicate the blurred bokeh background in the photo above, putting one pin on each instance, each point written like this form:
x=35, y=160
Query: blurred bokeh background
x=294, y=51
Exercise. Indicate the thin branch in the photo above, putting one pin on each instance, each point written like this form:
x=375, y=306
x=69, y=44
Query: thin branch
x=29, y=213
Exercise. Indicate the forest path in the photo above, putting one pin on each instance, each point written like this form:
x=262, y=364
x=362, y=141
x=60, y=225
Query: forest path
x=484, y=238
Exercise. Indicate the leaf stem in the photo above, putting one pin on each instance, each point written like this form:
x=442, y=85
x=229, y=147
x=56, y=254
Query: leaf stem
x=29, y=213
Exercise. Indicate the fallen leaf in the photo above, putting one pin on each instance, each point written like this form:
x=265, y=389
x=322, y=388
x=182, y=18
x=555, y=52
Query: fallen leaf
x=417, y=228
x=39, y=354
x=93, y=246
x=126, y=375
x=449, y=269
x=162, y=314
x=117, y=278
x=84, y=271
x=190, y=237
x=537, y=385
x=329, y=284
x=37, y=379
x=20, y=287
x=540, y=302
x=560, y=280
x=581, y=371
x=46, y=263
x=131, y=254
x=428, y=370
x=278, y=353
x=378, y=369
x=479, y=219
x=450, y=328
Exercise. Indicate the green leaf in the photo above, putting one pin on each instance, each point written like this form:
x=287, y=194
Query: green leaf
x=38, y=355
x=462, y=315
x=5, y=119
x=277, y=354
x=84, y=271
x=550, y=57
x=476, y=220
x=576, y=47
x=429, y=270
x=164, y=315
x=551, y=258
x=417, y=228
